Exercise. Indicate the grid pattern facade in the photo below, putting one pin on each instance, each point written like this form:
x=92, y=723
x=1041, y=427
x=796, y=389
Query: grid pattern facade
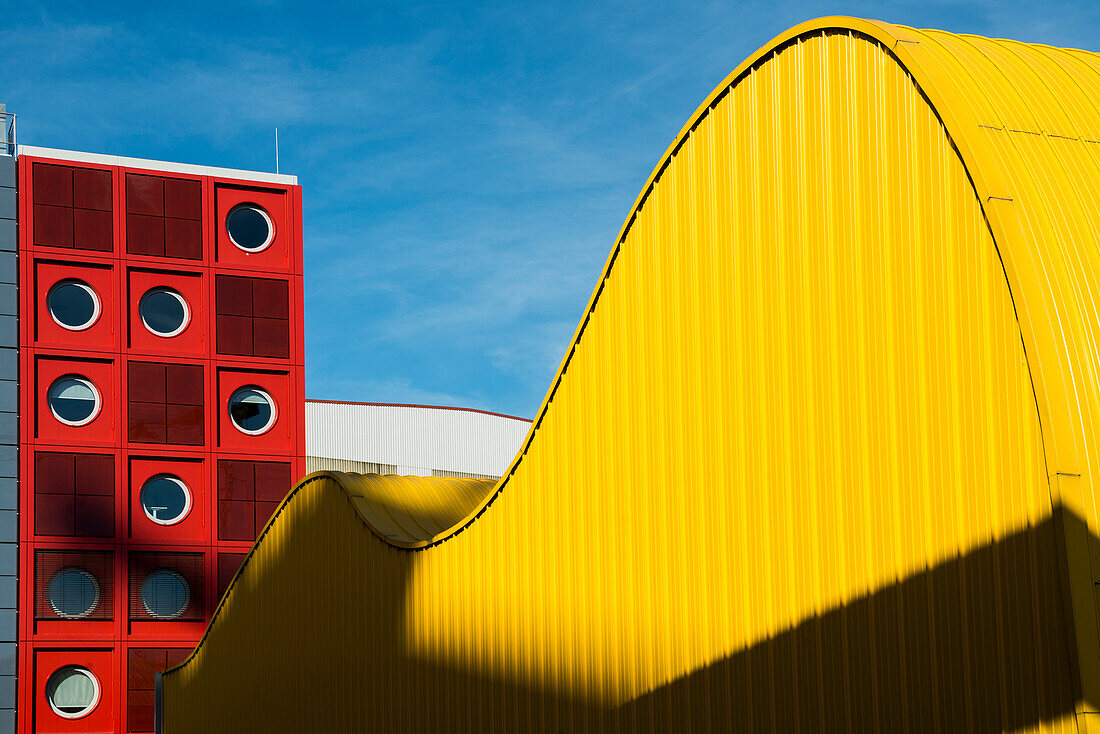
x=153, y=565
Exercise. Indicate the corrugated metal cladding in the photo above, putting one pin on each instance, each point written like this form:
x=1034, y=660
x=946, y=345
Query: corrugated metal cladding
x=411, y=440
x=802, y=468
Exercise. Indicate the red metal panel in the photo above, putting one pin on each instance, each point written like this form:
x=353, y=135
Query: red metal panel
x=54, y=473
x=184, y=384
x=185, y=425
x=100, y=277
x=92, y=189
x=52, y=184
x=236, y=480
x=191, y=284
x=147, y=423
x=144, y=195
x=101, y=664
x=271, y=338
x=183, y=198
x=236, y=520
x=190, y=527
x=147, y=382
x=53, y=225
x=264, y=511
x=276, y=440
x=94, y=474
x=94, y=516
x=234, y=335
x=144, y=235
x=92, y=230
x=270, y=298
x=273, y=480
x=233, y=295
x=275, y=258
x=183, y=238
x=102, y=429
x=53, y=514
x=228, y=563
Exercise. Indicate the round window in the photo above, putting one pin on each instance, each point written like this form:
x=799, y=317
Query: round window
x=164, y=311
x=164, y=594
x=73, y=593
x=72, y=691
x=249, y=227
x=165, y=499
x=252, y=410
x=72, y=304
x=73, y=400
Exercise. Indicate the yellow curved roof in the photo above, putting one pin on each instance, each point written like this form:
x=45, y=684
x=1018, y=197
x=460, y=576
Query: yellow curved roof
x=834, y=395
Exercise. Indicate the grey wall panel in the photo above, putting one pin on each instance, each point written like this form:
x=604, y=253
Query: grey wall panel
x=8, y=271
x=7, y=203
x=9, y=395
x=9, y=555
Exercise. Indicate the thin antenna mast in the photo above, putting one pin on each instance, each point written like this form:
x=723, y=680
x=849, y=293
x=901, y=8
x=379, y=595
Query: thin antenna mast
x=276, y=150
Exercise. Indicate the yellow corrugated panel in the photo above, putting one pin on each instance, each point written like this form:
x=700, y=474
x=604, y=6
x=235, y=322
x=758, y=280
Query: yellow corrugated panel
x=819, y=457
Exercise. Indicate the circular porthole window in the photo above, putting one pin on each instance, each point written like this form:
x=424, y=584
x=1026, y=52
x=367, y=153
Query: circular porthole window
x=72, y=304
x=164, y=311
x=165, y=594
x=252, y=410
x=165, y=499
x=249, y=227
x=73, y=593
x=72, y=691
x=73, y=400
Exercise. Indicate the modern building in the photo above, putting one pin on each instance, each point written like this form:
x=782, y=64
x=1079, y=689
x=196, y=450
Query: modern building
x=410, y=440
x=821, y=456
x=152, y=418
x=159, y=420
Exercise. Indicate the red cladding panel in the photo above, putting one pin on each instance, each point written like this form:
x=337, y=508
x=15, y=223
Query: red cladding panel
x=183, y=239
x=53, y=225
x=101, y=664
x=54, y=514
x=271, y=338
x=272, y=480
x=102, y=429
x=236, y=520
x=233, y=296
x=52, y=184
x=92, y=230
x=101, y=335
x=94, y=474
x=182, y=198
x=236, y=480
x=277, y=256
x=144, y=235
x=277, y=439
x=144, y=195
x=185, y=425
x=234, y=335
x=228, y=563
x=184, y=384
x=191, y=285
x=147, y=382
x=270, y=298
x=92, y=189
x=147, y=422
x=54, y=473
x=94, y=517
x=192, y=525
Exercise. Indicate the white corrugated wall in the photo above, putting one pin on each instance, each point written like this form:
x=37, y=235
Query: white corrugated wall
x=415, y=440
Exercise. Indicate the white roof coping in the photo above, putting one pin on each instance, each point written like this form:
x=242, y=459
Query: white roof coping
x=116, y=160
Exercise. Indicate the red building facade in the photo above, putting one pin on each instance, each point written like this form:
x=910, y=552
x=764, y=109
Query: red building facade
x=160, y=416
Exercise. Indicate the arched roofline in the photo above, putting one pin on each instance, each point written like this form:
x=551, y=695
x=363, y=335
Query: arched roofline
x=894, y=39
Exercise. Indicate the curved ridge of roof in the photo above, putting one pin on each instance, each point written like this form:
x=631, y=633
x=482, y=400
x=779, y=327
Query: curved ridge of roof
x=965, y=81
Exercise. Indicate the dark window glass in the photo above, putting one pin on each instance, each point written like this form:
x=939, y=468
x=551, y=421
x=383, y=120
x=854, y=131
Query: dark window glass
x=249, y=227
x=73, y=400
x=164, y=499
x=251, y=409
x=164, y=594
x=163, y=311
x=73, y=593
x=73, y=304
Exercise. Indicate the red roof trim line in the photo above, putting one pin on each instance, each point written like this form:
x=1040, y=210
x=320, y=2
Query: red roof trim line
x=414, y=405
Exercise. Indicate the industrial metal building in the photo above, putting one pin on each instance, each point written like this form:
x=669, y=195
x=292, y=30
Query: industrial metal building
x=410, y=440
x=821, y=456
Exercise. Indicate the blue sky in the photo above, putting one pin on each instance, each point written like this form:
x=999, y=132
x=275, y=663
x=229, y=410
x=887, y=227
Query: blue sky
x=466, y=167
